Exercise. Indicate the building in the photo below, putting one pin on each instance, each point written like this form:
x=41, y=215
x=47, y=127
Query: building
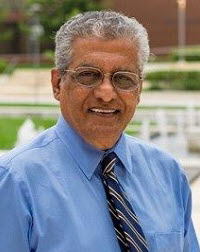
x=158, y=16
x=11, y=40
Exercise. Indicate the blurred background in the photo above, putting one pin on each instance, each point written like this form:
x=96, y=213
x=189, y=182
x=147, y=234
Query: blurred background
x=169, y=111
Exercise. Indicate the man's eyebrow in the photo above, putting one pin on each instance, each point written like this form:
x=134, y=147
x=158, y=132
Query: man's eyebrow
x=86, y=65
x=121, y=69
x=124, y=69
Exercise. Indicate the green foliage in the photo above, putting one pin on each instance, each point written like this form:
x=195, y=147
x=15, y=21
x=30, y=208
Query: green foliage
x=31, y=65
x=53, y=13
x=5, y=33
x=49, y=55
x=191, y=53
x=28, y=105
x=180, y=80
x=3, y=65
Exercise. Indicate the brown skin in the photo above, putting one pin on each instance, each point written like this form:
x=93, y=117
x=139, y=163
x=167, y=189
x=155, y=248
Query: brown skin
x=98, y=129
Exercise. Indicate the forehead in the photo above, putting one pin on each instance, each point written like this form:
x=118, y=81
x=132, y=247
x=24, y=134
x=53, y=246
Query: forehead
x=105, y=52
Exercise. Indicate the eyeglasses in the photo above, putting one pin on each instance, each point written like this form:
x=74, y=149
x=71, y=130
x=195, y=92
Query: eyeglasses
x=92, y=77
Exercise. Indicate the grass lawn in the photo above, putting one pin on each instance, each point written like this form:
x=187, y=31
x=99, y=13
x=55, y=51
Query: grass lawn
x=9, y=127
x=28, y=105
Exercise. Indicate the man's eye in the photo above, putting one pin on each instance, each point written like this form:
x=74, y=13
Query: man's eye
x=88, y=76
x=123, y=79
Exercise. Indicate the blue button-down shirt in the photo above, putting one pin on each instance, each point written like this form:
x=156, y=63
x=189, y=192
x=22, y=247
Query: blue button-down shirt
x=52, y=198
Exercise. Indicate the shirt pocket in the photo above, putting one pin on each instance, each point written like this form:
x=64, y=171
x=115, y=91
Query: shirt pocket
x=168, y=242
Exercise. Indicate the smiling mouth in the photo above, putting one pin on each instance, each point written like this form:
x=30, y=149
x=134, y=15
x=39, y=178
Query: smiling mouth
x=104, y=111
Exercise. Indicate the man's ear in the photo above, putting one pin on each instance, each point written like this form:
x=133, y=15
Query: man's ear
x=56, y=81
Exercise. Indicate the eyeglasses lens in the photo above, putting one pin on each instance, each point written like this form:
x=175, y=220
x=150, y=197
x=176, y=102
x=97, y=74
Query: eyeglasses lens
x=125, y=81
x=88, y=77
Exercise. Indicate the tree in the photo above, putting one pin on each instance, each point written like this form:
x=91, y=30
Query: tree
x=53, y=13
x=17, y=18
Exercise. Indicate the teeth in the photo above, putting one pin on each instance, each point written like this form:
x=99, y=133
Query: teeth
x=106, y=111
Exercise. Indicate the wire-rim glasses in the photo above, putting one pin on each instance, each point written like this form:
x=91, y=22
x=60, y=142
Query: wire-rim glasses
x=91, y=77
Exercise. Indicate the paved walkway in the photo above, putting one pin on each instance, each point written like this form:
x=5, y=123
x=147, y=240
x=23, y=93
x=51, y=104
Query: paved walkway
x=170, y=98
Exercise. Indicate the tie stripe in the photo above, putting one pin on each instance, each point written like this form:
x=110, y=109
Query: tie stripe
x=127, y=228
x=120, y=199
x=109, y=166
x=121, y=237
x=112, y=176
x=113, y=213
x=123, y=217
x=134, y=244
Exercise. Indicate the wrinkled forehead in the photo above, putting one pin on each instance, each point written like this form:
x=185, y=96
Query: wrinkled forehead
x=97, y=48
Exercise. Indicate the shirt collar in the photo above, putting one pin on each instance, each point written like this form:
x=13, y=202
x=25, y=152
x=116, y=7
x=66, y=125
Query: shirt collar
x=85, y=155
x=122, y=150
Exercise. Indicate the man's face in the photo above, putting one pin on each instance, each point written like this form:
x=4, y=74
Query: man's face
x=99, y=114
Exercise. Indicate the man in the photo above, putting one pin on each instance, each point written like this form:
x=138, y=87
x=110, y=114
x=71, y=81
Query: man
x=84, y=185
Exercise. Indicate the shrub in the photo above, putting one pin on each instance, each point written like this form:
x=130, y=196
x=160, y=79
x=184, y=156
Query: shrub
x=190, y=53
x=180, y=80
x=49, y=55
x=3, y=65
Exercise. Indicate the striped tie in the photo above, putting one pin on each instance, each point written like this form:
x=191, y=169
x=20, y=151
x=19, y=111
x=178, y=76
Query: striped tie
x=128, y=231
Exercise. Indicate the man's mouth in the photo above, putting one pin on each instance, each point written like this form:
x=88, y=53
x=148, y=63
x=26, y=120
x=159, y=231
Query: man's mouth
x=104, y=111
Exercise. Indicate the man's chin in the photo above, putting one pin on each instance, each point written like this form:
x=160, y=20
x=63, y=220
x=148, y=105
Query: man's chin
x=102, y=145
x=103, y=139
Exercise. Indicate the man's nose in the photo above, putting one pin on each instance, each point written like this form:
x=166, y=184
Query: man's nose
x=105, y=91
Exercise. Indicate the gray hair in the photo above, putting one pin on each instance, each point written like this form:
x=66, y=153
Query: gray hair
x=101, y=24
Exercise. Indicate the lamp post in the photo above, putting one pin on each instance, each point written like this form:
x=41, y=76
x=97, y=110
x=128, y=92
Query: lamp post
x=181, y=28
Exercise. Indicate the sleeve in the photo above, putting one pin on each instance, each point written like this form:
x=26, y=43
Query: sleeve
x=190, y=239
x=15, y=217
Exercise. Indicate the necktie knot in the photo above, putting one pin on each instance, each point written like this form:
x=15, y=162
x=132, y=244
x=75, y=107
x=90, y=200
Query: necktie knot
x=108, y=163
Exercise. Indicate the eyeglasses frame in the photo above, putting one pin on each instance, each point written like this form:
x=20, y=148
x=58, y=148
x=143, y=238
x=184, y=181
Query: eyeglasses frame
x=102, y=79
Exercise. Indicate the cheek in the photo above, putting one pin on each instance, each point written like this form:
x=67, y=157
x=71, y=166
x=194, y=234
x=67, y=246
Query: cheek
x=131, y=102
x=66, y=101
x=73, y=99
